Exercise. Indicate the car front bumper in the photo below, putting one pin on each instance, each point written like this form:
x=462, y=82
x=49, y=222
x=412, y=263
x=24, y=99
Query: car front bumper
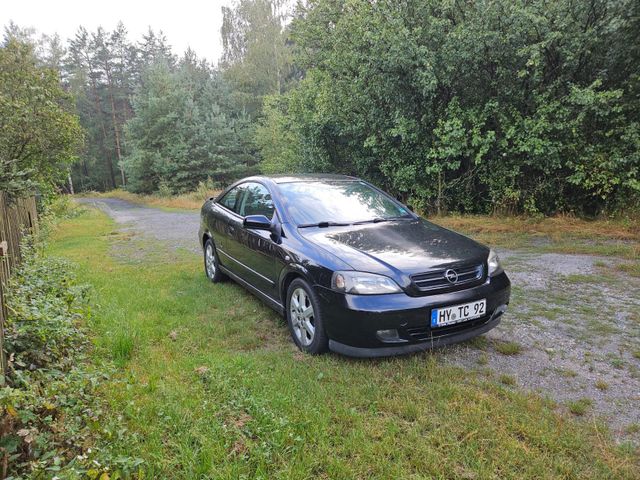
x=352, y=322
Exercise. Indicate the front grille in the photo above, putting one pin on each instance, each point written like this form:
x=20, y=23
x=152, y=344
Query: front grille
x=436, y=280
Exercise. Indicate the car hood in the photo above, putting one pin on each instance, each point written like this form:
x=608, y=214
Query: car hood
x=397, y=248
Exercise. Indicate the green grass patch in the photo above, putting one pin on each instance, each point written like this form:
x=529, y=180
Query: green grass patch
x=579, y=407
x=632, y=428
x=632, y=269
x=507, y=379
x=123, y=346
x=210, y=386
x=508, y=348
x=582, y=278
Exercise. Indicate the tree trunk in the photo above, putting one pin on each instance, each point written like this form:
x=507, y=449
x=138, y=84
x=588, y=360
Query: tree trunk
x=439, y=201
x=70, y=180
x=116, y=133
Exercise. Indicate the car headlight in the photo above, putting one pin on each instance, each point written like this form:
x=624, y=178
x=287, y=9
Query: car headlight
x=495, y=268
x=362, y=283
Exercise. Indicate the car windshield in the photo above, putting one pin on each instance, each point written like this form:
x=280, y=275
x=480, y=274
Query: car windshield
x=338, y=202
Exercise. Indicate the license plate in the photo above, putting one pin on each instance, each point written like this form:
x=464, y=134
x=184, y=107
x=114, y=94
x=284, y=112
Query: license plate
x=458, y=313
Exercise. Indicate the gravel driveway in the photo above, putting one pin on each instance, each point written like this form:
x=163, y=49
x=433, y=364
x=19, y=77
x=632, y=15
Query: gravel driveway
x=572, y=332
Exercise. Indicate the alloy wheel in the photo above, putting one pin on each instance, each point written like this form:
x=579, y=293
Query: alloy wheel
x=302, y=317
x=210, y=260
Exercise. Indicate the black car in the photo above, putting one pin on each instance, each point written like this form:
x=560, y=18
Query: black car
x=351, y=269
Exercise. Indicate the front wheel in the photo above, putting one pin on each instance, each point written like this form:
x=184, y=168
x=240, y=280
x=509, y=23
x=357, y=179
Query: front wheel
x=211, y=265
x=305, y=319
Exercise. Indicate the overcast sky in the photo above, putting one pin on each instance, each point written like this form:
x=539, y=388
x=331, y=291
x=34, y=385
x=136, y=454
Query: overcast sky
x=184, y=22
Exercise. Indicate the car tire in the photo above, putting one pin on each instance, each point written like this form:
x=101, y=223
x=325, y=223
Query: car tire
x=211, y=264
x=305, y=318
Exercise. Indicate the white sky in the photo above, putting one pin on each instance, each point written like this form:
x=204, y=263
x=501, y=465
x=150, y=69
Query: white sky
x=184, y=22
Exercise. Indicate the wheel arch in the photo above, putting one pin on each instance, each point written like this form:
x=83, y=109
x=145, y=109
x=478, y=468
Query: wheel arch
x=207, y=236
x=286, y=278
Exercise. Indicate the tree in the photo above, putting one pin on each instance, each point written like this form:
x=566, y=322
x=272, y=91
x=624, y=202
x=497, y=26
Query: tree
x=185, y=130
x=474, y=106
x=97, y=170
x=102, y=69
x=39, y=132
x=257, y=54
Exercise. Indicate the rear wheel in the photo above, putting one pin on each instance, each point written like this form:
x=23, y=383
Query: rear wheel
x=211, y=265
x=305, y=319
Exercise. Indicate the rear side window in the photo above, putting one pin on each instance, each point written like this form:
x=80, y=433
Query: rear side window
x=230, y=200
x=255, y=200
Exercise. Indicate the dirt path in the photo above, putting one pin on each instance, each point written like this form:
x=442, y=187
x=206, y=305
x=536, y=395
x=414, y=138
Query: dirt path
x=572, y=332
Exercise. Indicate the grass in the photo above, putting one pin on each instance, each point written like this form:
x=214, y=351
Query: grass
x=508, y=348
x=122, y=347
x=505, y=379
x=633, y=428
x=560, y=234
x=632, y=269
x=579, y=407
x=210, y=386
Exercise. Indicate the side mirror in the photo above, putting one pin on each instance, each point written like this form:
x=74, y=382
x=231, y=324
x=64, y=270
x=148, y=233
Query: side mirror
x=257, y=222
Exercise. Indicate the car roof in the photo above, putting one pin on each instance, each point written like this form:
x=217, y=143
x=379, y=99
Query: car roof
x=309, y=177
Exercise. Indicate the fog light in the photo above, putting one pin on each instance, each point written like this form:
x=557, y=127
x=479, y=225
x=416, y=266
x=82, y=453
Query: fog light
x=390, y=336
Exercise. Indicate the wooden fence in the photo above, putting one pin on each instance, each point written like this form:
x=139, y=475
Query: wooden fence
x=17, y=219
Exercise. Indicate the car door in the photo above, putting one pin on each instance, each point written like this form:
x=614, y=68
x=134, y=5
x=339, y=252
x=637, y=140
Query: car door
x=224, y=222
x=254, y=250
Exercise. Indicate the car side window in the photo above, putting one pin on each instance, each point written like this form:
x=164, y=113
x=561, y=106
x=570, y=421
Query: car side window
x=230, y=200
x=255, y=201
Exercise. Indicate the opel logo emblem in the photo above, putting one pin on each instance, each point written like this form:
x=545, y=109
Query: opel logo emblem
x=451, y=276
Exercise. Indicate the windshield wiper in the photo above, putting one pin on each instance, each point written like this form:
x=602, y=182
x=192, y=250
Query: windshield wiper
x=323, y=224
x=385, y=219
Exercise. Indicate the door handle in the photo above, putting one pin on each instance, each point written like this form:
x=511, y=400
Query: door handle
x=230, y=228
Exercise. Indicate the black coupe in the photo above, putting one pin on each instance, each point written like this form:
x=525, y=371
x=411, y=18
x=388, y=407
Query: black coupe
x=352, y=269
